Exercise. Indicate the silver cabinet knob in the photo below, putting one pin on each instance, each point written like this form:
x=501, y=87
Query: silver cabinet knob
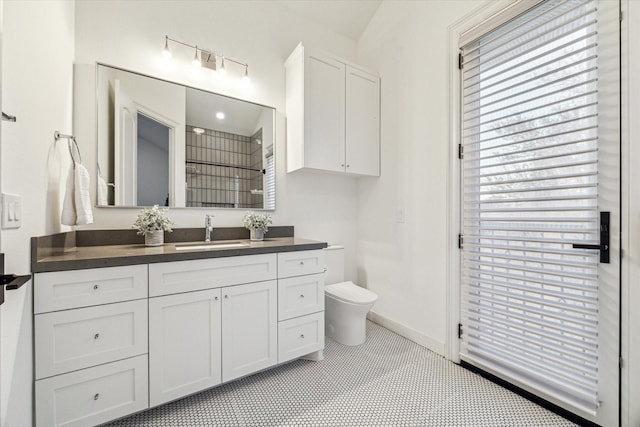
x=301, y=295
x=301, y=262
x=342, y=165
x=215, y=298
x=95, y=287
x=302, y=336
x=226, y=297
x=96, y=396
x=96, y=336
x=348, y=166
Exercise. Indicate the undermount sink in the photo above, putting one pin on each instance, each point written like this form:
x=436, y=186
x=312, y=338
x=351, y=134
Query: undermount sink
x=210, y=245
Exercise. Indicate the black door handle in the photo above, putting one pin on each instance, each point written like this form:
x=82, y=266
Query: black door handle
x=603, y=247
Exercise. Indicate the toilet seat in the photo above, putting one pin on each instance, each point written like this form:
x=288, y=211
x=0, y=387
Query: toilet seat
x=351, y=293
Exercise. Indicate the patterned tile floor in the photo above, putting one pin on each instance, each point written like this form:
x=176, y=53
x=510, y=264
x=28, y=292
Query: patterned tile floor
x=388, y=381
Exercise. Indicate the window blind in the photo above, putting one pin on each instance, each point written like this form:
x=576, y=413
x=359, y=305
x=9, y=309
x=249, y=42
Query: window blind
x=530, y=189
x=270, y=181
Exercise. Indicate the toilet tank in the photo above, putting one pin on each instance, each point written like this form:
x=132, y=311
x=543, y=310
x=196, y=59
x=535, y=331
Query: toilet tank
x=334, y=260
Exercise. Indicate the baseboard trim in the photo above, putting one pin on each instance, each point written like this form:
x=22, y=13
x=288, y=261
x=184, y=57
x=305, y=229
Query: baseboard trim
x=434, y=345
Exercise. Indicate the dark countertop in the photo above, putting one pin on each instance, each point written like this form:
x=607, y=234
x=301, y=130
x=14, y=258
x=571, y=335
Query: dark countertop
x=72, y=256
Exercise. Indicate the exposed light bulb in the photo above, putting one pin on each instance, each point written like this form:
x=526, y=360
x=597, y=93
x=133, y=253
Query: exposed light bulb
x=196, y=59
x=222, y=69
x=166, y=52
x=246, y=77
x=220, y=115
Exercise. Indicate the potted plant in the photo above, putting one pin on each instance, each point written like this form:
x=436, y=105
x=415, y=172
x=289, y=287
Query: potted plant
x=257, y=224
x=152, y=223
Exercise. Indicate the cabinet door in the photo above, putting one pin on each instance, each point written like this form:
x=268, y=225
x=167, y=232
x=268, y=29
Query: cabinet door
x=184, y=344
x=363, y=123
x=249, y=328
x=324, y=113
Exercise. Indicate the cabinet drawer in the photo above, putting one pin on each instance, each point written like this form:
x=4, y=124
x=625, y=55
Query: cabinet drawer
x=184, y=276
x=300, y=295
x=76, y=339
x=93, y=396
x=61, y=290
x=300, y=262
x=300, y=336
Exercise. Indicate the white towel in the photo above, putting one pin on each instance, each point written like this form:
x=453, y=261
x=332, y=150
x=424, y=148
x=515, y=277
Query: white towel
x=76, y=209
x=69, y=216
x=82, y=195
x=102, y=192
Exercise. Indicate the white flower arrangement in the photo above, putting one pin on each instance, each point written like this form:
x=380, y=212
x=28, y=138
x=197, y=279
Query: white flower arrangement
x=153, y=219
x=256, y=221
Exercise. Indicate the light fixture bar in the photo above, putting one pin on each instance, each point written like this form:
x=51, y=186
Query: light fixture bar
x=211, y=57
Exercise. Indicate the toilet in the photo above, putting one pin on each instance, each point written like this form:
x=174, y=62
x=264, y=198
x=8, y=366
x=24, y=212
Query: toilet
x=346, y=304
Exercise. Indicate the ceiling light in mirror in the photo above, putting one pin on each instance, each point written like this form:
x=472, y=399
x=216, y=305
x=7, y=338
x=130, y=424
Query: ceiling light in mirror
x=220, y=115
x=199, y=131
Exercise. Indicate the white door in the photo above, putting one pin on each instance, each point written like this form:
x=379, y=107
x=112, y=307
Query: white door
x=362, y=123
x=184, y=344
x=540, y=177
x=125, y=146
x=324, y=103
x=249, y=328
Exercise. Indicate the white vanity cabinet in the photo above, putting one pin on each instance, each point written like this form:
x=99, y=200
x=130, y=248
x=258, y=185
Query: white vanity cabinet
x=201, y=332
x=90, y=345
x=113, y=341
x=333, y=115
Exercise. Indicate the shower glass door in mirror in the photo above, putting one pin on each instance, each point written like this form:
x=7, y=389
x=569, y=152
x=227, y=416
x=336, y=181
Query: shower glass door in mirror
x=172, y=145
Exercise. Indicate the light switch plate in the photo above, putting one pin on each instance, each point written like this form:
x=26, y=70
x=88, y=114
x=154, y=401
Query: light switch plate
x=11, y=211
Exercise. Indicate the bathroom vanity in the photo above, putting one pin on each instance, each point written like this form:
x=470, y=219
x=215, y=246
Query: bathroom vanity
x=123, y=327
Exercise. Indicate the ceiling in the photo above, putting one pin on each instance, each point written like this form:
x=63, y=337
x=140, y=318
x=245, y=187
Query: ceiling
x=346, y=17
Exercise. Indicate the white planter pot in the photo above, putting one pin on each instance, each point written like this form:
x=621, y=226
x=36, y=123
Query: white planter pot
x=256, y=235
x=154, y=238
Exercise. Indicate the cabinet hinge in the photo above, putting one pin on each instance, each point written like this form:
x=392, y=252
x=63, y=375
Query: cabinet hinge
x=459, y=330
x=460, y=151
x=460, y=61
x=460, y=241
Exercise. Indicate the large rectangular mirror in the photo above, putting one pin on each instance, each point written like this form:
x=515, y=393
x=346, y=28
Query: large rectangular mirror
x=163, y=143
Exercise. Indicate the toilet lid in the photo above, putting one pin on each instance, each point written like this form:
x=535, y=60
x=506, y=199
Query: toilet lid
x=350, y=292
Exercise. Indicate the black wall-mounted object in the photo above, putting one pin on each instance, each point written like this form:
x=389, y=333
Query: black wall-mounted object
x=10, y=281
x=603, y=247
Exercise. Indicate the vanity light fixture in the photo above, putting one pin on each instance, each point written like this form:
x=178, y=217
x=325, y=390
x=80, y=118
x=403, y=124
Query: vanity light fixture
x=205, y=58
x=166, y=52
x=196, y=59
x=246, y=74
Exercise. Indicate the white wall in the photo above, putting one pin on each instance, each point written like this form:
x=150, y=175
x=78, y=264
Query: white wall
x=131, y=35
x=406, y=263
x=37, y=56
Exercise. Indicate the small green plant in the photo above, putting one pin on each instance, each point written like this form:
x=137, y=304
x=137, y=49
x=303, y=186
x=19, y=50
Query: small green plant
x=256, y=221
x=153, y=219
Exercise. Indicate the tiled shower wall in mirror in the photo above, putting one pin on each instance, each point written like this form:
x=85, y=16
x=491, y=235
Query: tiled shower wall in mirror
x=224, y=170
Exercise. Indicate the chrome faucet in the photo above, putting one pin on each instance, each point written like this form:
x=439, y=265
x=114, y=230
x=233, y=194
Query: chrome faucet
x=208, y=227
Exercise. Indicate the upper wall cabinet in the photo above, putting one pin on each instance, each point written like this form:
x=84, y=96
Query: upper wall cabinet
x=333, y=115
